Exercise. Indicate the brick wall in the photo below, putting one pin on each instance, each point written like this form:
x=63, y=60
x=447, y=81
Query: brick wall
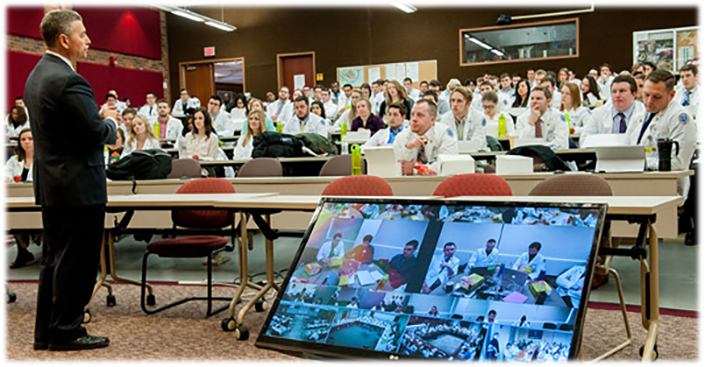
x=36, y=47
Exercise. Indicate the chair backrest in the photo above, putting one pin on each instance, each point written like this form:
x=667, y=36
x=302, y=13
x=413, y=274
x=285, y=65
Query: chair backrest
x=261, y=167
x=185, y=167
x=340, y=165
x=204, y=218
x=473, y=184
x=358, y=186
x=573, y=185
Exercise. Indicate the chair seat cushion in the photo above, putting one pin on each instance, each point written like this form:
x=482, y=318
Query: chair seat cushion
x=193, y=246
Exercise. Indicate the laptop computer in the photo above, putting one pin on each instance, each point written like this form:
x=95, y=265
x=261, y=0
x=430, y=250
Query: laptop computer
x=537, y=289
x=382, y=161
x=630, y=158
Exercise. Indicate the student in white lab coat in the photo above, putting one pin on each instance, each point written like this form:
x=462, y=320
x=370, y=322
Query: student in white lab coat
x=623, y=106
x=543, y=122
x=396, y=115
x=141, y=136
x=465, y=122
x=605, y=80
x=223, y=125
x=688, y=95
x=589, y=90
x=491, y=117
x=484, y=257
x=378, y=95
x=19, y=167
x=185, y=102
x=666, y=119
x=550, y=83
x=349, y=115
x=333, y=248
x=329, y=106
x=305, y=122
x=149, y=110
x=16, y=121
x=280, y=109
x=443, y=267
x=418, y=147
x=256, y=125
x=169, y=127
x=531, y=261
x=571, y=105
x=412, y=93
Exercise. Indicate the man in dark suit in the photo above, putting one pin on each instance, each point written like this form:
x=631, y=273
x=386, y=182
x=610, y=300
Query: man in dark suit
x=69, y=182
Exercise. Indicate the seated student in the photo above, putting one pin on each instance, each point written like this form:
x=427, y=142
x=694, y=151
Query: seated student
x=666, y=119
x=127, y=102
x=223, y=125
x=433, y=98
x=114, y=151
x=111, y=101
x=550, y=83
x=318, y=109
x=305, y=122
x=333, y=248
x=522, y=93
x=688, y=95
x=256, y=104
x=202, y=141
x=434, y=311
x=348, y=116
x=402, y=265
x=396, y=117
x=414, y=94
x=571, y=105
x=394, y=93
x=484, y=257
x=483, y=87
x=531, y=262
x=141, y=136
x=570, y=285
x=505, y=94
x=149, y=110
x=464, y=122
x=238, y=106
x=605, y=80
x=589, y=89
x=543, y=122
x=188, y=127
x=344, y=102
x=185, y=102
x=169, y=127
x=419, y=146
x=640, y=81
x=441, y=269
x=363, y=252
x=366, y=120
x=256, y=126
x=16, y=121
x=491, y=117
x=126, y=120
x=617, y=116
x=19, y=167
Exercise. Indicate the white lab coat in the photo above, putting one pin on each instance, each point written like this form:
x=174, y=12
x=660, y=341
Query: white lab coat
x=482, y=259
x=436, y=272
x=473, y=129
x=174, y=128
x=223, y=124
x=590, y=100
x=243, y=152
x=376, y=100
x=600, y=120
x=537, y=264
x=441, y=140
x=675, y=123
x=178, y=109
x=577, y=118
x=693, y=107
x=312, y=124
x=119, y=107
x=491, y=126
x=284, y=113
x=556, y=99
x=343, y=119
x=331, y=109
x=555, y=130
x=151, y=116
x=14, y=131
x=570, y=283
x=414, y=94
x=505, y=100
x=604, y=88
x=325, y=250
x=13, y=168
x=149, y=144
x=381, y=137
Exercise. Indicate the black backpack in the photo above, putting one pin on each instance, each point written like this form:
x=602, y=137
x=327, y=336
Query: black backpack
x=541, y=154
x=272, y=144
x=141, y=165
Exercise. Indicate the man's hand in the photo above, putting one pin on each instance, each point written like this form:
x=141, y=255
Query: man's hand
x=534, y=116
x=417, y=142
x=110, y=112
x=407, y=168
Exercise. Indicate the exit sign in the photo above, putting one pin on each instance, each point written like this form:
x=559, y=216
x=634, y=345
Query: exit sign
x=209, y=51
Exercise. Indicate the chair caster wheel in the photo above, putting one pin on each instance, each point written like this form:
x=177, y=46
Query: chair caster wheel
x=87, y=317
x=655, y=354
x=151, y=301
x=261, y=305
x=10, y=297
x=110, y=300
x=242, y=333
x=228, y=324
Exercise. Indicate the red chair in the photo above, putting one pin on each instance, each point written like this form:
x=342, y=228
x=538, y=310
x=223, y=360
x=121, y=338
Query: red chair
x=358, y=186
x=198, y=221
x=473, y=184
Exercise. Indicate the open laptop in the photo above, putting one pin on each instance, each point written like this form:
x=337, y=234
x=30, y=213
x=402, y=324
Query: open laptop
x=382, y=161
x=630, y=158
x=414, y=307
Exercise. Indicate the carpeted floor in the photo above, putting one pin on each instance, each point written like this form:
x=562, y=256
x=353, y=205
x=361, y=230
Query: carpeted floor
x=182, y=333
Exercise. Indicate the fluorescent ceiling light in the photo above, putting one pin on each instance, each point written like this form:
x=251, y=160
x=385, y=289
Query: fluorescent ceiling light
x=405, y=8
x=221, y=26
x=188, y=15
x=497, y=52
x=481, y=44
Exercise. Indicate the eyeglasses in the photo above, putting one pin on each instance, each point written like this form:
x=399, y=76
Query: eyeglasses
x=488, y=106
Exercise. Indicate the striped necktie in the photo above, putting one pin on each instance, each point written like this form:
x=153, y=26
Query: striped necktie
x=687, y=95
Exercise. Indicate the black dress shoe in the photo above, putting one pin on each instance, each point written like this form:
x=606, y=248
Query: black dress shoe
x=41, y=346
x=84, y=342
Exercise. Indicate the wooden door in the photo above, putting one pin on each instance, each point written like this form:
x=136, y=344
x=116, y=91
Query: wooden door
x=199, y=80
x=290, y=65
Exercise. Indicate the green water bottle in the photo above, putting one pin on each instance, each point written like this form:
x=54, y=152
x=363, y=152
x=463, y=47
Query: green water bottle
x=279, y=127
x=502, y=127
x=156, y=129
x=344, y=129
x=356, y=161
x=568, y=121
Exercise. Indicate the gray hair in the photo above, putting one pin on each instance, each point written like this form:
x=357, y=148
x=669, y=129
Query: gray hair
x=56, y=23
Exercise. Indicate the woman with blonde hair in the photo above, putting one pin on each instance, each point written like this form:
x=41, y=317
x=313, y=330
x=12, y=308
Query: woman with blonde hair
x=366, y=120
x=348, y=117
x=141, y=136
x=256, y=104
x=571, y=106
x=395, y=93
x=256, y=126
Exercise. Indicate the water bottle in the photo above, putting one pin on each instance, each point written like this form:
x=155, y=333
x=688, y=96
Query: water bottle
x=502, y=127
x=541, y=275
x=502, y=269
x=279, y=127
x=156, y=129
x=356, y=160
x=651, y=153
x=568, y=121
x=344, y=142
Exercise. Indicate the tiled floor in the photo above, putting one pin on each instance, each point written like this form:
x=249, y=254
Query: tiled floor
x=678, y=270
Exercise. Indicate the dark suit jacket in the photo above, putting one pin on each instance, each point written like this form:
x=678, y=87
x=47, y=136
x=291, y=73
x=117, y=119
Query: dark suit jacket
x=69, y=136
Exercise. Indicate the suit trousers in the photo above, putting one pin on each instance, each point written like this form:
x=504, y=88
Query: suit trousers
x=70, y=258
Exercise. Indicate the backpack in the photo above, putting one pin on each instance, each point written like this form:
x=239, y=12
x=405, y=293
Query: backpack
x=317, y=143
x=273, y=144
x=541, y=154
x=141, y=165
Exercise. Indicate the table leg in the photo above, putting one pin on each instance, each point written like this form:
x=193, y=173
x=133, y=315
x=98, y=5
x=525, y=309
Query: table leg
x=113, y=272
x=650, y=317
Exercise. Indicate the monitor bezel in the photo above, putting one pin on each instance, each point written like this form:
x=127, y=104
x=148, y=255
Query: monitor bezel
x=301, y=346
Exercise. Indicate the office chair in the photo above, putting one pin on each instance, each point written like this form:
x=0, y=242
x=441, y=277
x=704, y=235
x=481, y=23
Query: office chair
x=473, y=184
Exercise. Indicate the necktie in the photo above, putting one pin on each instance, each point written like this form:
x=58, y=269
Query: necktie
x=538, y=128
x=279, y=108
x=645, y=124
x=623, y=125
x=150, y=110
x=421, y=156
x=183, y=107
x=685, y=102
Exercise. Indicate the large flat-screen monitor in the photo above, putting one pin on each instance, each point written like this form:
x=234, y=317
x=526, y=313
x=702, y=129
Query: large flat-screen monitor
x=441, y=279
